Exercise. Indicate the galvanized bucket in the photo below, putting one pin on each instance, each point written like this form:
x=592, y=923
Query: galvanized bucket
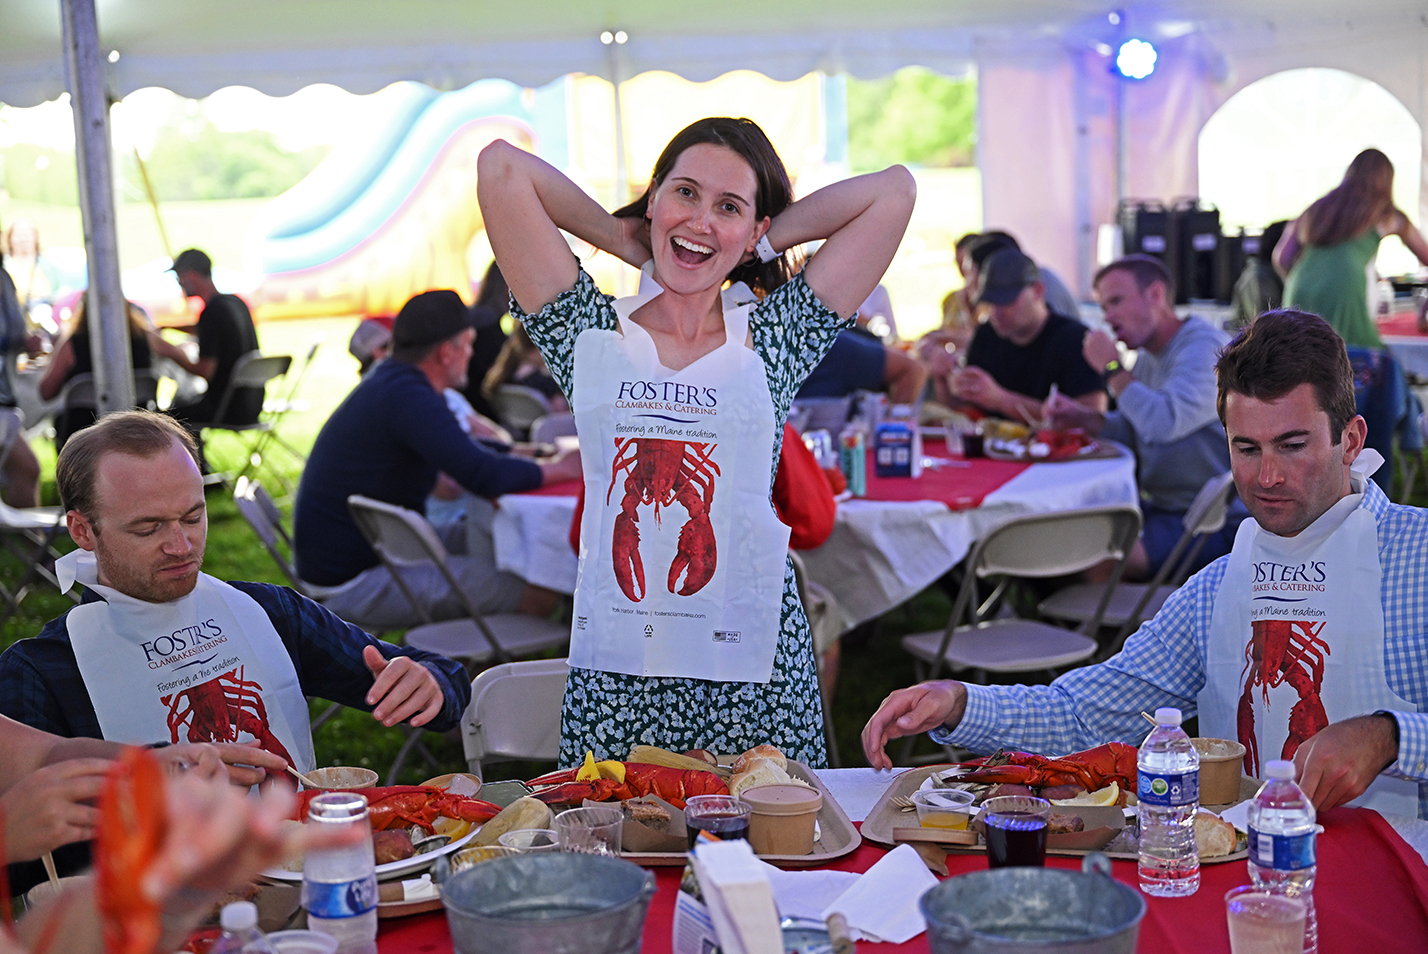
x=1034, y=911
x=548, y=904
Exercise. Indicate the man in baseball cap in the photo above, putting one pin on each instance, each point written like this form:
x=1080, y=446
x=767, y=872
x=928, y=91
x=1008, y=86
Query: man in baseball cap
x=1024, y=349
x=389, y=440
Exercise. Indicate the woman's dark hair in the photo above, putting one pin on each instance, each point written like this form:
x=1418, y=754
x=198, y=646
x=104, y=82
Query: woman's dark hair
x=514, y=349
x=495, y=295
x=775, y=193
x=1363, y=199
x=1283, y=349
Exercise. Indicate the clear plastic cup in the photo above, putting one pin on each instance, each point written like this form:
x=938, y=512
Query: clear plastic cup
x=1263, y=922
x=1016, y=831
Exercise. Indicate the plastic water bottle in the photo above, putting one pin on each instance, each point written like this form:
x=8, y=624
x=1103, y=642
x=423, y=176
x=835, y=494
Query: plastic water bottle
x=339, y=885
x=241, y=934
x=1168, y=789
x=1281, y=842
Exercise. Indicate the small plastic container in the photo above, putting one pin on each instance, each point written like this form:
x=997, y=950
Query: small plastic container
x=1221, y=765
x=471, y=857
x=783, y=818
x=302, y=942
x=343, y=778
x=949, y=808
x=527, y=840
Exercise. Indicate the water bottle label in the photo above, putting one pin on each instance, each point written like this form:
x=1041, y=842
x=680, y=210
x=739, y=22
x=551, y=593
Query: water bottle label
x=1168, y=791
x=1281, y=852
x=343, y=899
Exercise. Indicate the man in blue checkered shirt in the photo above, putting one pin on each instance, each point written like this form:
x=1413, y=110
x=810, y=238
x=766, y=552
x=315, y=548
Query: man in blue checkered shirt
x=1309, y=641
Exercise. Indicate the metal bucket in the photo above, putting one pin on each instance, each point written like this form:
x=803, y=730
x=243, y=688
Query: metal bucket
x=548, y=904
x=1033, y=911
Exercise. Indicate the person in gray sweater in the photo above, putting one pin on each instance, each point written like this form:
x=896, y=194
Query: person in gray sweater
x=1165, y=405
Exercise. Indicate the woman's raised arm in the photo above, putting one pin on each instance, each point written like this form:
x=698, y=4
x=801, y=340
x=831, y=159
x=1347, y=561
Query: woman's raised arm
x=862, y=221
x=525, y=203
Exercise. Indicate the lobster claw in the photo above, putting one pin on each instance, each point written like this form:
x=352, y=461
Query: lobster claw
x=629, y=568
x=696, y=554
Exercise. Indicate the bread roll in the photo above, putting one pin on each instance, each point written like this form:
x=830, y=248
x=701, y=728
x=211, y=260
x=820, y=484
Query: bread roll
x=758, y=772
x=1213, y=836
x=741, y=764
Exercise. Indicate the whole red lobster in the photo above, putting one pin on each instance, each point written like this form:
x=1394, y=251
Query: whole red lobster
x=1092, y=769
x=401, y=806
x=133, y=818
x=662, y=472
x=671, y=784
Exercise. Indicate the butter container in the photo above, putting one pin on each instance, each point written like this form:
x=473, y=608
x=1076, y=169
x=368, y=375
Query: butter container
x=948, y=808
x=782, y=818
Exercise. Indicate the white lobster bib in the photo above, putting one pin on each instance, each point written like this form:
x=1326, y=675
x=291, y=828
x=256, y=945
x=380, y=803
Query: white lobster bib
x=681, y=556
x=1296, y=639
x=208, y=667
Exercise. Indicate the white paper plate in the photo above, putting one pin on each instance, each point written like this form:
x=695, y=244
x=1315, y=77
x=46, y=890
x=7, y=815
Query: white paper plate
x=392, y=869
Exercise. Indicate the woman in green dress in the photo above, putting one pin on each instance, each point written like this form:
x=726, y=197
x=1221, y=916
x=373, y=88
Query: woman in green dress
x=1325, y=253
x=680, y=393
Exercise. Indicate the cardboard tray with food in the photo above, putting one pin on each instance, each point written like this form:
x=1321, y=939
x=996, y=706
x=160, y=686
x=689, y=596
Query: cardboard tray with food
x=1075, y=828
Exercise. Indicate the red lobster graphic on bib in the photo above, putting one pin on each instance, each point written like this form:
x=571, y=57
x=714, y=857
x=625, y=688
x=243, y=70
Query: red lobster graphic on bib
x=221, y=708
x=661, y=472
x=1281, y=651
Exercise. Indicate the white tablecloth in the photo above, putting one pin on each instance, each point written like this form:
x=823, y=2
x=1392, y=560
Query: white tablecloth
x=1411, y=353
x=881, y=553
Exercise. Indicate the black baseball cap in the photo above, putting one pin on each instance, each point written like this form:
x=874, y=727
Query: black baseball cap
x=429, y=318
x=1004, y=275
x=192, y=260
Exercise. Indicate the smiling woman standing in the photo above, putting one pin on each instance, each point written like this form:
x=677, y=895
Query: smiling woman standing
x=680, y=393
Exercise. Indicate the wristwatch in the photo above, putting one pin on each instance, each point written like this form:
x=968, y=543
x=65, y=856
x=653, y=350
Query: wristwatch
x=1113, y=367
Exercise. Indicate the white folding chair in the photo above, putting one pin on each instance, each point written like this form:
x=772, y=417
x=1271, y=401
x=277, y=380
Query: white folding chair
x=402, y=538
x=1133, y=602
x=546, y=428
x=514, y=713
x=1040, y=545
x=28, y=532
x=275, y=409
x=518, y=407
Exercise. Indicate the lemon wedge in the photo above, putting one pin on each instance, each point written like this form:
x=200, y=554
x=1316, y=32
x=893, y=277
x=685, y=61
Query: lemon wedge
x=452, y=827
x=1101, y=796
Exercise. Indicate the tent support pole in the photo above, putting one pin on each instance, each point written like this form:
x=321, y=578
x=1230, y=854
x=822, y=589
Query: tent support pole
x=89, y=100
x=622, y=172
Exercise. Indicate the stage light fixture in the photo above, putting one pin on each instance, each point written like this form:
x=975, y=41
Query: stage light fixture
x=1135, y=59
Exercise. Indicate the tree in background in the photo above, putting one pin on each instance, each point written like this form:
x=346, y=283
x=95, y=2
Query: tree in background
x=194, y=160
x=914, y=116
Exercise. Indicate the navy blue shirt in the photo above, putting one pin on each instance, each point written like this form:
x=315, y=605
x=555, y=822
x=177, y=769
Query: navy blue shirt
x=387, y=440
x=855, y=363
x=41, y=686
x=1052, y=357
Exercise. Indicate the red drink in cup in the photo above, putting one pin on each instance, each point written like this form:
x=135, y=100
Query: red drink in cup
x=1016, y=831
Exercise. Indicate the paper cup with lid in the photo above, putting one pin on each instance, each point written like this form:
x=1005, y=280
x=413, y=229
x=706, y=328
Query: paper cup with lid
x=782, y=817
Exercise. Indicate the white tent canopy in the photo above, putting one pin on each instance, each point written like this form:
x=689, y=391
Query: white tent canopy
x=1048, y=102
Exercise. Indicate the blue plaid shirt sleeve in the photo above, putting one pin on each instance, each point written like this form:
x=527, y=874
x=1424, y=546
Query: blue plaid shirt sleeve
x=327, y=653
x=1163, y=664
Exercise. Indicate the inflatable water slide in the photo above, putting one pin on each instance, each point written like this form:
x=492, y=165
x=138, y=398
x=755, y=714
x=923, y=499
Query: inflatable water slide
x=393, y=213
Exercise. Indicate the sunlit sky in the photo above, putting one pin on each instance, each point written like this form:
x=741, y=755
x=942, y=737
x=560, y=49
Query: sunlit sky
x=314, y=116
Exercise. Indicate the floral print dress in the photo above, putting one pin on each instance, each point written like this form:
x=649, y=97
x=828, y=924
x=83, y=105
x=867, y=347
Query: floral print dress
x=608, y=712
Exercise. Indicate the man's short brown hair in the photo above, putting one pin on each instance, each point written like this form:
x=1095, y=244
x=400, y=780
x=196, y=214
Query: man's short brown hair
x=1283, y=349
x=1144, y=269
x=138, y=433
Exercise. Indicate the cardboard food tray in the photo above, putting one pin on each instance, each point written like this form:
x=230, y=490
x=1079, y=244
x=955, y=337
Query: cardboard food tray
x=837, y=836
x=885, y=817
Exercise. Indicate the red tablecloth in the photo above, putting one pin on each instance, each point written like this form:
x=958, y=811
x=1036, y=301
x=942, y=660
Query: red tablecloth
x=960, y=488
x=1371, y=896
x=1402, y=324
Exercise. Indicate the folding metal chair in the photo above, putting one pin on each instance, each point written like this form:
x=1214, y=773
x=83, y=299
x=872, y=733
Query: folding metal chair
x=546, y=428
x=514, y=713
x=28, y=532
x=403, y=538
x=1132, y=602
x=252, y=370
x=79, y=393
x=518, y=407
x=275, y=409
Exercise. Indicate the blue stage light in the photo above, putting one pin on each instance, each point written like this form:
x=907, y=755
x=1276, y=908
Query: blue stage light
x=1135, y=59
